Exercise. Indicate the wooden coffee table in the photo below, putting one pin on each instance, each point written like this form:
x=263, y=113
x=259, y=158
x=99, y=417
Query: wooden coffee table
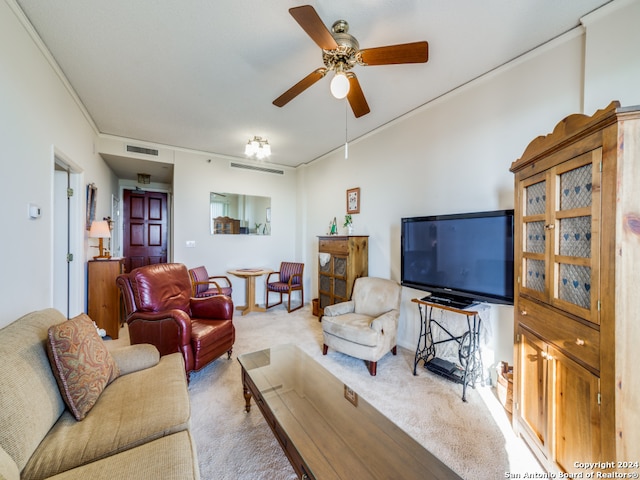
x=326, y=430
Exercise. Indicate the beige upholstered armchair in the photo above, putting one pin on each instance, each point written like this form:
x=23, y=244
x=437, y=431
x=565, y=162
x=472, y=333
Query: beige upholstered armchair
x=366, y=326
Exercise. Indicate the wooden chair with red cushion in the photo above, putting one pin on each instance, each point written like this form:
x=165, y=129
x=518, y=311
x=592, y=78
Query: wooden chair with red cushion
x=289, y=279
x=203, y=285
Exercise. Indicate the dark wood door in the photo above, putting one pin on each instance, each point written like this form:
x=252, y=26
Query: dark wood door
x=145, y=228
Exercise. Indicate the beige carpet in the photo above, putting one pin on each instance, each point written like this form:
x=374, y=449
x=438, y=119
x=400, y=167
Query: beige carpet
x=474, y=438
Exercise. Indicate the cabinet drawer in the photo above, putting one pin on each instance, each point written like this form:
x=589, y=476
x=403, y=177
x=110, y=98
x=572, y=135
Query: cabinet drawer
x=337, y=246
x=570, y=336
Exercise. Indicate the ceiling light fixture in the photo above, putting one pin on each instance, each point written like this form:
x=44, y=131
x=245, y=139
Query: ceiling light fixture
x=258, y=147
x=339, y=85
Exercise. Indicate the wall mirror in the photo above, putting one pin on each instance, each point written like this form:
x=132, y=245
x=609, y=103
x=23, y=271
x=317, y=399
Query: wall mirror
x=238, y=214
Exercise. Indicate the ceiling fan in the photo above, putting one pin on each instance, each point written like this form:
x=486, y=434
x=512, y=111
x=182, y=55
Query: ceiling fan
x=340, y=53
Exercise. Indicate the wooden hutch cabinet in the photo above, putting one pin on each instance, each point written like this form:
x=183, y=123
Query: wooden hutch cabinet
x=226, y=225
x=347, y=258
x=577, y=252
x=103, y=305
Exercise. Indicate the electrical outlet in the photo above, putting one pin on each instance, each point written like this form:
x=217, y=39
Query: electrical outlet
x=191, y=244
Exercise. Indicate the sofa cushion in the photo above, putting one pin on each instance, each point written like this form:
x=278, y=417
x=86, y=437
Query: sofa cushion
x=374, y=296
x=81, y=363
x=170, y=458
x=30, y=401
x=134, y=409
x=353, y=327
x=8, y=468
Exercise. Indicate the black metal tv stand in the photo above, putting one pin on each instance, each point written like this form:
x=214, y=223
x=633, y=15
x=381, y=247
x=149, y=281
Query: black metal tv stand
x=470, y=368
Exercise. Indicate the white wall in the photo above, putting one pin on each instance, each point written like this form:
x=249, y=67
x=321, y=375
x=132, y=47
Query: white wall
x=612, y=66
x=37, y=117
x=195, y=177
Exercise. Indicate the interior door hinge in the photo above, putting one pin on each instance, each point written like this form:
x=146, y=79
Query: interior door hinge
x=69, y=257
x=601, y=166
x=69, y=192
x=598, y=305
x=599, y=398
x=518, y=338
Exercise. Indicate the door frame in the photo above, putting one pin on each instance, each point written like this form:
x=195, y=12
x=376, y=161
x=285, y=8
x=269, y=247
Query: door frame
x=132, y=185
x=76, y=230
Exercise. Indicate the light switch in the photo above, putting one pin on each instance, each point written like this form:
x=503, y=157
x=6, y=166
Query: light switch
x=191, y=244
x=34, y=211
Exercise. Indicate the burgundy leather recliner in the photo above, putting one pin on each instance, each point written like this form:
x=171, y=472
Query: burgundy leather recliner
x=159, y=310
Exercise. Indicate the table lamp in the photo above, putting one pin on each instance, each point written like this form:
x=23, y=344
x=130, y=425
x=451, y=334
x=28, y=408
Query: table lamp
x=100, y=229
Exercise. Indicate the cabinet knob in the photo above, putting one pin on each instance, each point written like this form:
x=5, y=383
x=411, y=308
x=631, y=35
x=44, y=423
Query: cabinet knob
x=550, y=226
x=544, y=355
x=523, y=313
x=579, y=341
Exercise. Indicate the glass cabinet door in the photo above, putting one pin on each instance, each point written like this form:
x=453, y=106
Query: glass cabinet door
x=576, y=237
x=535, y=245
x=560, y=237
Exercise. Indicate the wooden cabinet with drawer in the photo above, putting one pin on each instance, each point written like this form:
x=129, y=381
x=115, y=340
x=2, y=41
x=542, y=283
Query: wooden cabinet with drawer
x=103, y=295
x=575, y=386
x=341, y=260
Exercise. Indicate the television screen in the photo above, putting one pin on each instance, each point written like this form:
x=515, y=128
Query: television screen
x=464, y=257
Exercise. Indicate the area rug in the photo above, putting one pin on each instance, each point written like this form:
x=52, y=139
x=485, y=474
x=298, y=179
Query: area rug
x=474, y=439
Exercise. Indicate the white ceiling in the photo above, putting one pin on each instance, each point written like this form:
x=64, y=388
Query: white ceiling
x=201, y=74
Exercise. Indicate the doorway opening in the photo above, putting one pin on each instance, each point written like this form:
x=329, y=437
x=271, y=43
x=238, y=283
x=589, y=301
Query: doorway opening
x=67, y=275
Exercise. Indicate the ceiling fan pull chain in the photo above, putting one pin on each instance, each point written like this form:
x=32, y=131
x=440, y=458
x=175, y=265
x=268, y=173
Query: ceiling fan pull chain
x=346, y=138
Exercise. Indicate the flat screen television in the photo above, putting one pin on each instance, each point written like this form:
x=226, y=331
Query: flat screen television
x=460, y=259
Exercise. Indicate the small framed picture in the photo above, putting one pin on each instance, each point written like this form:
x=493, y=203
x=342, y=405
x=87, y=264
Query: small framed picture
x=92, y=193
x=353, y=200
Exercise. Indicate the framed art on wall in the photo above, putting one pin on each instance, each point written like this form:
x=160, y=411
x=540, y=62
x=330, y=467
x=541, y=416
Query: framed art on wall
x=353, y=200
x=92, y=193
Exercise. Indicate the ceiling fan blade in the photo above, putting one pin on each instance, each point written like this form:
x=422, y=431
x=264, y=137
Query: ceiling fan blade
x=311, y=23
x=356, y=98
x=300, y=87
x=416, y=52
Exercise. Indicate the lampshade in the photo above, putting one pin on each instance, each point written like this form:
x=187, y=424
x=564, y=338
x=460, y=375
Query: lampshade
x=99, y=229
x=340, y=85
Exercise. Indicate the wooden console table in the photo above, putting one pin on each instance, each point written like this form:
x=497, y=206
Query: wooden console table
x=470, y=368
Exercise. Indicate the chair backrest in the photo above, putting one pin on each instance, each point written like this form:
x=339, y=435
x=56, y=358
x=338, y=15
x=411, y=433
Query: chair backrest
x=374, y=296
x=288, y=269
x=160, y=287
x=200, y=274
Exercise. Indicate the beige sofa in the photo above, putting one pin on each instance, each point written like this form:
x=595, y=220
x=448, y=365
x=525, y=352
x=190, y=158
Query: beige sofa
x=138, y=428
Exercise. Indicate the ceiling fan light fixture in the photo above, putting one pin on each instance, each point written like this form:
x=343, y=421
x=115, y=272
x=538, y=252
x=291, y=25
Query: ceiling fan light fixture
x=339, y=85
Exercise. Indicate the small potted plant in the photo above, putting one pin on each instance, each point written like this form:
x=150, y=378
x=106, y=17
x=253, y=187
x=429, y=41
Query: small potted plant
x=348, y=223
